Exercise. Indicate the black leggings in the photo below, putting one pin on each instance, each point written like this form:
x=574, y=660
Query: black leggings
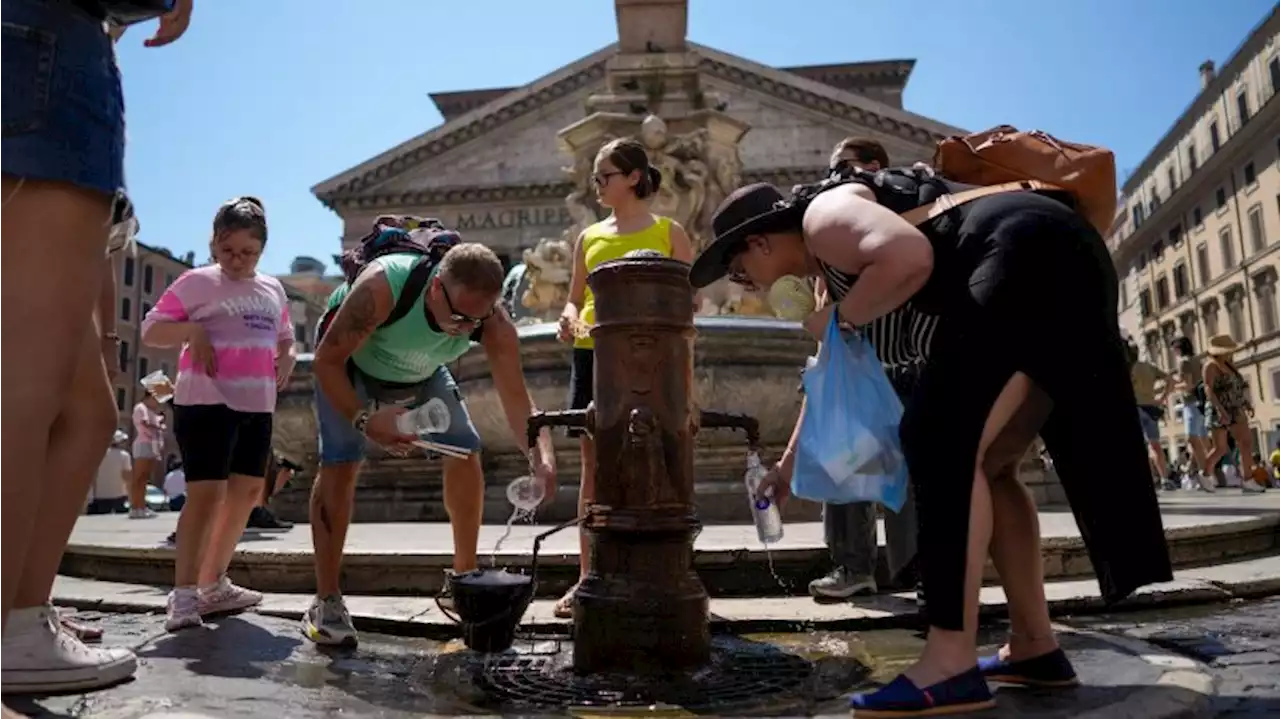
x=1040, y=299
x=217, y=441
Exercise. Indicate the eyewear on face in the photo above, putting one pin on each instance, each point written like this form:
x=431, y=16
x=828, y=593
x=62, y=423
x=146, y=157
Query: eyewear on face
x=457, y=317
x=737, y=275
x=238, y=254
x=602, y=178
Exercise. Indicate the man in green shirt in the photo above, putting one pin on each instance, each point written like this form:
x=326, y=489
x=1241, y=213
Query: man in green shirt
x=368, y=374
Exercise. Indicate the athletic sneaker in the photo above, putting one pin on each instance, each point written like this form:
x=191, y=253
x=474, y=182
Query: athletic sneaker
x=141, y=513
x=842, y=584
x=39, y=656
x=183, y=610
x=328, y=622
x=1251, y=487
x=1207, y=482
x=226, y=596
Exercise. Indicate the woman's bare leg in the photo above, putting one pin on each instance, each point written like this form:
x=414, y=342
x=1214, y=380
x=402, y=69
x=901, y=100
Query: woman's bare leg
x=1199, y=453
x=1218, y=436
x=1158, y=459
x=195, y=528
x=1244, y=442
x=242, y=494
x=141, y=478
x=948, y=653
x=586, y=495
x=55, y=237
x=79, y=440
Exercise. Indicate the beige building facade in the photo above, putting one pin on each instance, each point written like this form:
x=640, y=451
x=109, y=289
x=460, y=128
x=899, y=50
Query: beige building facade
x=498, y=172
x=141, y=277
x=1196, y=240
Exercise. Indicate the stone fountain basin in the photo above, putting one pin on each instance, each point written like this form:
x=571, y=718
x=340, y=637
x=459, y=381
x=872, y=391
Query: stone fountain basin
x=748, y=365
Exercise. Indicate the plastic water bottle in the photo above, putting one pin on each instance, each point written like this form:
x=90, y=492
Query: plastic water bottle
x=430, y=418
x=765, y=513
x=526, y=493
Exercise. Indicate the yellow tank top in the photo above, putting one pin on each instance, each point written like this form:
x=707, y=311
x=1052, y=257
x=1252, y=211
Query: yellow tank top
x=600, y=244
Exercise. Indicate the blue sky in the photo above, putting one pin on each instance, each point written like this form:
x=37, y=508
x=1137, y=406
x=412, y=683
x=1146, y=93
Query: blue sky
x=269, y=97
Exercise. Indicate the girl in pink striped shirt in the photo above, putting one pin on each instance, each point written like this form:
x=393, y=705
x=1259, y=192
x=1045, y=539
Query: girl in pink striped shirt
x=237, y=349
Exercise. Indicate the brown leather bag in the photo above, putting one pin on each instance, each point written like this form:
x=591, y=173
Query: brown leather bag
x=1007, y=158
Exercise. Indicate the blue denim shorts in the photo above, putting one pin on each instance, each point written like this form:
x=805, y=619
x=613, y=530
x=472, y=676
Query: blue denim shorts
x=1150, y=427
x=60, y=97
x=1193, y=419
x=340, y=443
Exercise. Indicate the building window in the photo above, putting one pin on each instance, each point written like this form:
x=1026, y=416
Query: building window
x=168, y=280
x=1152, y=340
x=1173, y=180
x=1250, y=175
x=1215, y=140
x=120, y=398
x=146, y=310
x=1170, y=332
x=1210, y=314
x=142, y=366
x=1197, y=217
x=1202, y=263
x=1142, y=261
x=299, y=332
x=1175, y=236
x=1157, y=249
x=148, y=278
x=126, y=309
x=1144, y=303
x=128, y=272
x=1235, y=316
x=1181, y=284
x=1242, y=104
x=1257, y=233
x=1137, y=216
x=1265, y=289
x=1162, y=292
x=124, y=355
x=1228, y=249
x=1221, y=197
x=1124, y=294
x=1274, y=67
x=1188, y=323
x=1191, y=158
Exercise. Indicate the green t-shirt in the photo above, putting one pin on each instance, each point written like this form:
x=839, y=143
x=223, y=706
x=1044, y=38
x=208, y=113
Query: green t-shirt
x=409, y=350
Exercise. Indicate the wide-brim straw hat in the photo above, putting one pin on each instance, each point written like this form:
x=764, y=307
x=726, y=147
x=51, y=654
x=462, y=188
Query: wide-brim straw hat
x=1222, y=345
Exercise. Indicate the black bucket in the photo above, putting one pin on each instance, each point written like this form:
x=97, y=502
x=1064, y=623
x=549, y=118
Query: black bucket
x=488, y=604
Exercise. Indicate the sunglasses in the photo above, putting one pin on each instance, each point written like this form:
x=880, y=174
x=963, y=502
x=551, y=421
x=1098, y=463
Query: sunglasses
x=602, y=178
x=737, y=275
x=461, y=318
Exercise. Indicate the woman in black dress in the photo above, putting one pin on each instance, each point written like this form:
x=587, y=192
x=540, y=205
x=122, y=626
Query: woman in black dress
x=997, y=270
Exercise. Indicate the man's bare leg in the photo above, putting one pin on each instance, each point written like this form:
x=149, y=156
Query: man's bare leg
x=464, y=501
x=333, y=497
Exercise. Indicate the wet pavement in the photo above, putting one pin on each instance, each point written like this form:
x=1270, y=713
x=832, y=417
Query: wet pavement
x=1239, y=643
x=256, y=666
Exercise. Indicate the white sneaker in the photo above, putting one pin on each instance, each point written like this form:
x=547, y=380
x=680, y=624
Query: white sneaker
x=327, y=621
x=1208, y=482
x=183, y=610
x=1251, y=487
x=40, y=656
x=226, y=596
x=141, y=513
x=842, y=584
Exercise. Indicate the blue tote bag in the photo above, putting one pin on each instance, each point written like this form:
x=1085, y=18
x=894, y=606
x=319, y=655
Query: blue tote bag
x=849, y=449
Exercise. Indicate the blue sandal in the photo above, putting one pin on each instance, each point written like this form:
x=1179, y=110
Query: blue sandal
x=1047, y=671
x=902, y=698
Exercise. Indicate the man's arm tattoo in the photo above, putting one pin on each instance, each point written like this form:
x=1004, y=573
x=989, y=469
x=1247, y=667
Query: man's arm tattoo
x=357, y=318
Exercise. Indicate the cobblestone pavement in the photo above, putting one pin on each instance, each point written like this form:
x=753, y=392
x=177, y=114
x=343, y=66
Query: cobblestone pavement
x=258, y=666
x=1239, y=642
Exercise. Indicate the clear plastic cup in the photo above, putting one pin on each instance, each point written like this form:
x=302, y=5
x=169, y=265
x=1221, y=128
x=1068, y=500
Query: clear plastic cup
x=526, y=493
x=430, y=418
x=159, y=385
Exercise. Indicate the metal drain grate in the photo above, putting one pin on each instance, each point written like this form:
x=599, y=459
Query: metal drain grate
x=736, y=679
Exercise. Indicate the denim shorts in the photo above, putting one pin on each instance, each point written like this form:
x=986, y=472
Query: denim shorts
x=60, y=97
x=1193, y=419
x=1150, y=427
x=340, y=443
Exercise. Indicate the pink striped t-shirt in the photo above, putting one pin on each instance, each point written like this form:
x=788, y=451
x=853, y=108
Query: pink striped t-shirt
x=246, y=321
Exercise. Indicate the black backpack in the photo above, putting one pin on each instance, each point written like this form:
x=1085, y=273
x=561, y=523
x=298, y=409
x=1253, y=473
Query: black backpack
x=901, y=189
x=397, y=234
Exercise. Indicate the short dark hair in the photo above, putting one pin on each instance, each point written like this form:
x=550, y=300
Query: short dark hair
x=629, y=155
x=473, y=266
x=864, y=149
x=241, y=213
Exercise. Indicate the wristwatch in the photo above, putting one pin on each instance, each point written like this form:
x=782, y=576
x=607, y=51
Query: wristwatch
x=361, y=421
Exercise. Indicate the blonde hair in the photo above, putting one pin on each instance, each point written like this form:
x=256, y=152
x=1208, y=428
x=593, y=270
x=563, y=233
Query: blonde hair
x=473, y=266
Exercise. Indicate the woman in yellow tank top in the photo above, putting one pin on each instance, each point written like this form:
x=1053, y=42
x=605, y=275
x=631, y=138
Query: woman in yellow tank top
x=624, y=182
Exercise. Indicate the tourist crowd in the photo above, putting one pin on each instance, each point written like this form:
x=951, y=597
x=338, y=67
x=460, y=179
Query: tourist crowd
x=942, y=297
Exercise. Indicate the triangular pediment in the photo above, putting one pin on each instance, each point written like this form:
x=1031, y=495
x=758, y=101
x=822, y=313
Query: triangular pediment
x=511, y=141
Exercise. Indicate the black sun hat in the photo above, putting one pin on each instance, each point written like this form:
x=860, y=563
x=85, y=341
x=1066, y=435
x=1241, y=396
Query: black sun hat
x=746, y=211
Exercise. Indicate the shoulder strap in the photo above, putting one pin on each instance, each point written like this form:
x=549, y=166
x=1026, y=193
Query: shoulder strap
x=921, y=215
x=412, y=290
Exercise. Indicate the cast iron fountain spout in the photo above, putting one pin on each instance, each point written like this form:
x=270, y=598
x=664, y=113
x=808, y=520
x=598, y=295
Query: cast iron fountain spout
x=733, y=420
x=642, y=608
x=567, y=418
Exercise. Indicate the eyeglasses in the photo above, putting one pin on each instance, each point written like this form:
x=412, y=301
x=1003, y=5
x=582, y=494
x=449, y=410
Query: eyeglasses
x=602, y=178
x=460, y=318
x=737, y=274
x=233, y=254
